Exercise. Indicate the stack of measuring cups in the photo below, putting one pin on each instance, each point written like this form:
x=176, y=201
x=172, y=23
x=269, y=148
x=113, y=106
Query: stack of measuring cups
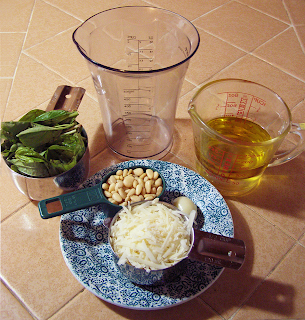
x=138, y=57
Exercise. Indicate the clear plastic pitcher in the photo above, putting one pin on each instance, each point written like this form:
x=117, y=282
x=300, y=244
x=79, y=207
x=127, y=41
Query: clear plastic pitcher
x=138, y=57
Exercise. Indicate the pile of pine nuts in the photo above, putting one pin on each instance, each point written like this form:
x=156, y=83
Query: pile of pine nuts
x=132, y=185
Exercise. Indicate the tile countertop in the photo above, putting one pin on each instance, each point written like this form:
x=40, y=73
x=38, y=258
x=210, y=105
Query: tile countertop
x=262, y=41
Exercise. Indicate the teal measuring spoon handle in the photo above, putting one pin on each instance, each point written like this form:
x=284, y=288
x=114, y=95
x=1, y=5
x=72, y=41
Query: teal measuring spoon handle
x=72, y=201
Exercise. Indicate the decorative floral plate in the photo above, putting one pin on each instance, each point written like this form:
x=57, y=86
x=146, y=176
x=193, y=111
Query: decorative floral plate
x=85, y=248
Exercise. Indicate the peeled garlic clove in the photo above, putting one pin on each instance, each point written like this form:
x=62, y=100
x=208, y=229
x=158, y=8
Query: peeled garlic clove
x=185, y=205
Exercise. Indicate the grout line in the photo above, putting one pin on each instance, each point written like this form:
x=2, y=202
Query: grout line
x=17, y=298
x=294, y=27
x=300, y=102
x=251, y=52
x=200, y=300
x=18, y=61
x=65, y=304
x=206, y=13
x=64, y=11
x=15, y=211
x=51, y=37
x=278, y=67
x=47, y=67
x=265, y=13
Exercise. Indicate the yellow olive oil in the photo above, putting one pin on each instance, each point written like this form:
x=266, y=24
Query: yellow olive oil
x=233, y=165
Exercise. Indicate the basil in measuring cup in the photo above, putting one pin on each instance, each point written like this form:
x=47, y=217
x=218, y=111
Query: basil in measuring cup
x=43, y=143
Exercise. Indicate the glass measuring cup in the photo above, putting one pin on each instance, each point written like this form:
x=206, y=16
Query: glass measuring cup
x=138, y=57
x=238, y=127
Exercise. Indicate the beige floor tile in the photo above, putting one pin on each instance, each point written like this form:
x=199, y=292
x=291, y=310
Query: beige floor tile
x=183, y=136
x=33, y=84
x=265, y=245
x=300, y=30
x=11, y=44
x=10, y=308
x=16, y=15
x=59, y=53
x=247, y=30
x=46, y=22
x=274, y=8
x=87, y=306
x=293, y=62
x=189, y=9
x=9, y=191
x=254, y=69
x=104, y=159
x=281, y=296
x=296, y=11
x=212, y=56
x=39, y=276
x=5, y=87
x=84, y=10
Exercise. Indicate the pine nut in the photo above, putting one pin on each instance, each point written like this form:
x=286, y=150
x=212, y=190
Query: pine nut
x=132, y=185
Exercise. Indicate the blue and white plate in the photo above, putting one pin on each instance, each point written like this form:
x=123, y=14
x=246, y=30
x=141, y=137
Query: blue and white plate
x=83, y=240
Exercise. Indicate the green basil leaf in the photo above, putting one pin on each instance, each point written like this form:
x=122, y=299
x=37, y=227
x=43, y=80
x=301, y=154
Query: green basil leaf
x=30, y=168
x=59, y=167
x=40, y=135
x=74, y=142
x=29, y=162
x=9, y=130
x=31, y=115
x=55, y=117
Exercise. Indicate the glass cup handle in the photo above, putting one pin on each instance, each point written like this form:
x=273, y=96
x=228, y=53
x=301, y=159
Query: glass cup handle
x=299, y=130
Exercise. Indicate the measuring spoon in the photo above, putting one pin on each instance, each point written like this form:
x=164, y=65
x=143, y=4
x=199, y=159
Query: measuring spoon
x=84, y=198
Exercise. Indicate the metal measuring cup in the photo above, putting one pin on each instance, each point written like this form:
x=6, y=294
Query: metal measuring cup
x=65, y=98
x=205, y=247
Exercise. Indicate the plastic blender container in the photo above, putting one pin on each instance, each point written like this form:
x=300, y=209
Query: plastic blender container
x=138, y=57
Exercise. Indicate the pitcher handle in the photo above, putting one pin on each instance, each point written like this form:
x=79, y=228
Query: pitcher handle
x=299, y=130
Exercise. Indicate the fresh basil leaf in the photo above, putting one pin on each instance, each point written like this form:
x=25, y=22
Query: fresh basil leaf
x=74, y=142
x=29, y=162
x=31, y=115
x=55, y=117
x=30, y=168
x=61, y=158
x=9, y=130
x=40, y=135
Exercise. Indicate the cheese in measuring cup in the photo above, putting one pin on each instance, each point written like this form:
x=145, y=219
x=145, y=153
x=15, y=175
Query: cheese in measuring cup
x=151, y=236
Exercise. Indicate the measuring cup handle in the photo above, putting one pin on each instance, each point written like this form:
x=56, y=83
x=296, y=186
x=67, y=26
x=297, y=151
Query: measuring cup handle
x=72, y=201
x=218, y=250
x=296, y=129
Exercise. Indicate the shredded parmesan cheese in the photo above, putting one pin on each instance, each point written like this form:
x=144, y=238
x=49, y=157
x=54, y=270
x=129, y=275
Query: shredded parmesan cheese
x=151, y=236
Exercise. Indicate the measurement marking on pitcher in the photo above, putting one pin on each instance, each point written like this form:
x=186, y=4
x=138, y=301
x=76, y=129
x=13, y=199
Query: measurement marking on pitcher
x=141, y=53
x=138, y=97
